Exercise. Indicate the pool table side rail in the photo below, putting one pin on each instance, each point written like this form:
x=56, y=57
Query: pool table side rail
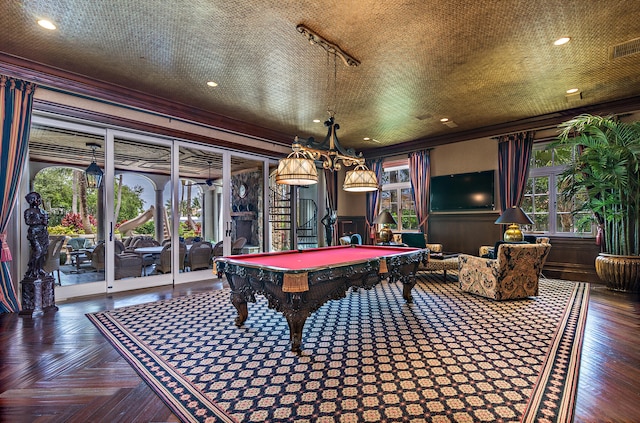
x=298, y=280
x=244, y=260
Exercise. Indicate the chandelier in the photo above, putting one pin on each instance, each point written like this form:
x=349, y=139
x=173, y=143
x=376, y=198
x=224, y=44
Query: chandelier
x=299, y=167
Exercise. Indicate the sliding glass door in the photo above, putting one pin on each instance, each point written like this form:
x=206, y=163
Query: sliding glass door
x=140, y=232
x=164, y=210
x=220, y=207
x=59, y=153
x=247, y=220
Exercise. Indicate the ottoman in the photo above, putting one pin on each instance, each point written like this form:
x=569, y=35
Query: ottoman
x=442, y=262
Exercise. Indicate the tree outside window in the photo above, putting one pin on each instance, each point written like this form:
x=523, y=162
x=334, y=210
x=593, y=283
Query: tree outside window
x=397, y=199
x=542, y=200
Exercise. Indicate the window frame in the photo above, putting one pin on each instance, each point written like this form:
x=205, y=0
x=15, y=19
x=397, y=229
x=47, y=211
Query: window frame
x=398, y=187
x=552, y=173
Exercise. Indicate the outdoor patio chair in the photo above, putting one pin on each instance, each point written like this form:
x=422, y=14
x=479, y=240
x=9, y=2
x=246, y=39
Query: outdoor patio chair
x=164, y=264
x=199, y=255
x=52, y=260
x=236, y=247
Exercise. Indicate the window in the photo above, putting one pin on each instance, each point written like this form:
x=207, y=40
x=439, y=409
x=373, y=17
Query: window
x=396, y=197
x=542, y=200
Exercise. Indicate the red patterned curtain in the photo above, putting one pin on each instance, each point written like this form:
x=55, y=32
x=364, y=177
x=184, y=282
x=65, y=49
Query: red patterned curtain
x=372, y=200
x=514, y=152
x=16, y=101
x=420, y=175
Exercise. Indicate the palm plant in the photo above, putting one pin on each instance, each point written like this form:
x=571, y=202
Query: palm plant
x=607, y=166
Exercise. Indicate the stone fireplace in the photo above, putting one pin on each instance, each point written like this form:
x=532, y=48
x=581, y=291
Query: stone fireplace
x=243, y=226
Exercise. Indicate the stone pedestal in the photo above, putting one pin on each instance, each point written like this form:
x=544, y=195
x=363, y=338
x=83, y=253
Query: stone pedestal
x=38, y=296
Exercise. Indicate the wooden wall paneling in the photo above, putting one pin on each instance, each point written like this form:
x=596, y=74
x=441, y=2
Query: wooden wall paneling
x=349, y=225
x=464, y=232
x=572, y=259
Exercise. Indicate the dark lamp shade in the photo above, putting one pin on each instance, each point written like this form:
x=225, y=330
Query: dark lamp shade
x=514, y=215
x=385, y=218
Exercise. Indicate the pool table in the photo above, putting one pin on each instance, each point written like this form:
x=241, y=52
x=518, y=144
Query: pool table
x=298, y=282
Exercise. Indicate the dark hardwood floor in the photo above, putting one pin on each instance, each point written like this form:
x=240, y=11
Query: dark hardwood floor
x=59, y=368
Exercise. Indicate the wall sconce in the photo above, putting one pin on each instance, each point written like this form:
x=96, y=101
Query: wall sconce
x=93, y=174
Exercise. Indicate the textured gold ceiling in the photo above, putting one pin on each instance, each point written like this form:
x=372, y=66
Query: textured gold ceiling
x=479, y=63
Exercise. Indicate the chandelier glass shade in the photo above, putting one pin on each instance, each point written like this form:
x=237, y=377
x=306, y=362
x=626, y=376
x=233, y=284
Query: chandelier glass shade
x=360, y=179
x=297, y=169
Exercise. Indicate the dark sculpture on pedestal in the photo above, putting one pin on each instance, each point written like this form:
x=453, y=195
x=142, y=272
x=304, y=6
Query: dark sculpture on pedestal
x=38, y=293
x=329, y=220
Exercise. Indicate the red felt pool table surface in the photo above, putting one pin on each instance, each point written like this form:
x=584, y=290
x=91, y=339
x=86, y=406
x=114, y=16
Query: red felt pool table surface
x=296, y=260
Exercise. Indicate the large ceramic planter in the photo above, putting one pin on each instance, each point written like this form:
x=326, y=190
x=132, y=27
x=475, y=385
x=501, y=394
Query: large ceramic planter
x=620, y=273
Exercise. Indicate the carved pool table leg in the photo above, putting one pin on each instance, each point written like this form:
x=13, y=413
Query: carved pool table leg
x=407, y=286
x=296, y=324
x=241, y=305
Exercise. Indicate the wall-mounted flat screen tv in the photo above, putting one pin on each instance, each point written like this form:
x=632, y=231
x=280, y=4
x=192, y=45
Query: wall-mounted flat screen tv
x=463, y=191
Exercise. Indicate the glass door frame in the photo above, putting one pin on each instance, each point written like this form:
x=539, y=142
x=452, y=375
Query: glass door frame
x=44, y=119
x=148, y=281
x=186, y=277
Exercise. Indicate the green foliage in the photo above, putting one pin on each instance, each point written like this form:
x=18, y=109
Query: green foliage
x=132, y=203
x=147, y=228
x=55, y=185
x=608, y=168
x=185, y=230
x=61, y=230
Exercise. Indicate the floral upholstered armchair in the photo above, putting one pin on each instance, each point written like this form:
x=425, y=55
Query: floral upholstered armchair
x=513, y=274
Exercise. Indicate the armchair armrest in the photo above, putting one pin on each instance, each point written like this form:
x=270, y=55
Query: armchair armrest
x=479, y=261
x=477, y=268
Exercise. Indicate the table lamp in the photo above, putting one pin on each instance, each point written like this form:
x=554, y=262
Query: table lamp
x=513, y=217
x=385, y=219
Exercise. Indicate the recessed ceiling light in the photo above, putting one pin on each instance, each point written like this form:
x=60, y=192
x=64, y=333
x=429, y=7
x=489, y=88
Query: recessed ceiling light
x=316, y=121
x=444, y=120
x=561, y=41
x=212, y=84
x=366, y=138
x=572, y=90
x=46, y=24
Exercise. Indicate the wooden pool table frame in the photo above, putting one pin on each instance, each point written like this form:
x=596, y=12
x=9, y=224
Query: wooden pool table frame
x=296, y=293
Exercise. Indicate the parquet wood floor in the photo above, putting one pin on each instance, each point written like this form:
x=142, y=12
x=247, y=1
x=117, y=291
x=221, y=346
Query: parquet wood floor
x=58, y=368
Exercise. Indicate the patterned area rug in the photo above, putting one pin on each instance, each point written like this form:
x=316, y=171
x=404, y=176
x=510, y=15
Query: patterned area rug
x=370, y=357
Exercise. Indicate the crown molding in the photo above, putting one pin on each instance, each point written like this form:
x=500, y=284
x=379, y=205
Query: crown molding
x=545, y=121
x=68, y=82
